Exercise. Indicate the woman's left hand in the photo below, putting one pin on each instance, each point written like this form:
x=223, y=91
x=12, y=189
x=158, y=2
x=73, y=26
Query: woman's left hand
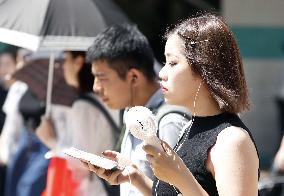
x=166, y=164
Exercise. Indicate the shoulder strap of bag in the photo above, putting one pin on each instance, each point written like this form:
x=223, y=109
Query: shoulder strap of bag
x=98, y=105
x=166, y=109
x=112, y=190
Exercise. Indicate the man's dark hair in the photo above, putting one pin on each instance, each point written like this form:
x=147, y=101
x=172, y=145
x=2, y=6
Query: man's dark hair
x=85, y=76
x=123, y=47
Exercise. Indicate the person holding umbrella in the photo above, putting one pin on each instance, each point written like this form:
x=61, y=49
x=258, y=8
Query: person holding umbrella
x=84, y=123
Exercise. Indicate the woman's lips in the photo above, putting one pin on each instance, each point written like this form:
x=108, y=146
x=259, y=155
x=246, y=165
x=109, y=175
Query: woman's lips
x=164, y=89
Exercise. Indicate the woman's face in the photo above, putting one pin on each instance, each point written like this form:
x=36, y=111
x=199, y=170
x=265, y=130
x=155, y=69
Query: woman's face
x=7, y=65
x=179, y=84
x=71, y=70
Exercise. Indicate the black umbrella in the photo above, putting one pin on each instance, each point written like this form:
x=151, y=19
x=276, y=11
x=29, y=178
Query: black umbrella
x=111, y=12
x=55, y=25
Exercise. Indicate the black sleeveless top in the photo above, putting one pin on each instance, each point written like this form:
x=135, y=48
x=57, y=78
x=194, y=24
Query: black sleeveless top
x=199, y=139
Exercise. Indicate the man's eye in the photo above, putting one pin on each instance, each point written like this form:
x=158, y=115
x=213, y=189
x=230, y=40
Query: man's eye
x=103, y=79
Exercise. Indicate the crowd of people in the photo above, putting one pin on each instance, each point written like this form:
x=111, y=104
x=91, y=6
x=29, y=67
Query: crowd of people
x=206, y=148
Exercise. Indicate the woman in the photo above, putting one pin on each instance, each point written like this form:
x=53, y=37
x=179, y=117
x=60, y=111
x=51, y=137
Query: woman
x=216, y=155
x=84, y=123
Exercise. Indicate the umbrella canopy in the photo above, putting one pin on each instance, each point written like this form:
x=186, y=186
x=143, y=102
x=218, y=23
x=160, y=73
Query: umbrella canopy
x=56, y=24
x=111, y=13
x=35, y=75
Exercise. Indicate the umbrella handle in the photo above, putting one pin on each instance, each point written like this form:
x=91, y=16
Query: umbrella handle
x=49, y=85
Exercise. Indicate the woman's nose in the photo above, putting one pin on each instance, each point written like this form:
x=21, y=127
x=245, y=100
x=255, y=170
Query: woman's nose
x=163, y=73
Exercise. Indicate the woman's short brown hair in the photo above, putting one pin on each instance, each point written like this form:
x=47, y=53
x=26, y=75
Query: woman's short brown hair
x=212, y=52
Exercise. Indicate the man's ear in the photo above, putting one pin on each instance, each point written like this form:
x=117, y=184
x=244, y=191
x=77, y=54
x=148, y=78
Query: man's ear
x=134, y=76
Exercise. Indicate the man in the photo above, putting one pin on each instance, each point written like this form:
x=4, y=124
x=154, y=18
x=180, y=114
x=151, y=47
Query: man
x=122, y=63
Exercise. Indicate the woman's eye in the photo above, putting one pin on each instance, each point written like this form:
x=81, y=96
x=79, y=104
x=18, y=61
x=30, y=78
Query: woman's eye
x=172, y=64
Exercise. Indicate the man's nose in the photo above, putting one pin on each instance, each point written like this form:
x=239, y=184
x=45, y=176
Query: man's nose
x=97, y=88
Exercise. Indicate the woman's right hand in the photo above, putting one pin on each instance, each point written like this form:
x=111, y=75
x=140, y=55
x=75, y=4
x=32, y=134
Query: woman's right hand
x=125, y=172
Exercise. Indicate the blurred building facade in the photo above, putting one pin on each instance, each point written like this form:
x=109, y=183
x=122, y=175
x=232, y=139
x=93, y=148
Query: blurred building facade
x=259, y=28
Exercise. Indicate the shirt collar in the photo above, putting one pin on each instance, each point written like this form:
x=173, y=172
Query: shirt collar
x=155, y=100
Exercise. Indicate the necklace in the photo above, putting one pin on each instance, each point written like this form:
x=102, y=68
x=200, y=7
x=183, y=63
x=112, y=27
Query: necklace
x=177, y=147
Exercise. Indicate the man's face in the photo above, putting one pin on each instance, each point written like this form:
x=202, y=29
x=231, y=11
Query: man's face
x=114, y=91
